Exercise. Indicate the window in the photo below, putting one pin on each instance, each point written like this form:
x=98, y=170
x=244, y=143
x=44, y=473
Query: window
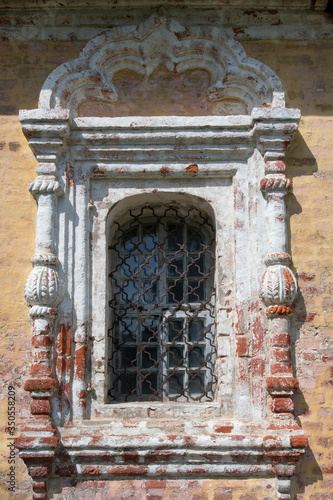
x=162, y=306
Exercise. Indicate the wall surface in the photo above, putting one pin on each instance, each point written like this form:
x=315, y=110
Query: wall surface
x=305, y=67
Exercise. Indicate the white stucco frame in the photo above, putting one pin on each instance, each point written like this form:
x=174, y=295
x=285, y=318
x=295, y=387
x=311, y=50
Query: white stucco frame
x=88, y=169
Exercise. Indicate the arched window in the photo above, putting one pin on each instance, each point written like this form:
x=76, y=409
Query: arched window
x=162, y=306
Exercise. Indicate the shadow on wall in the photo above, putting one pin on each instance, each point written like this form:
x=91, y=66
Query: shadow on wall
x=300, y=161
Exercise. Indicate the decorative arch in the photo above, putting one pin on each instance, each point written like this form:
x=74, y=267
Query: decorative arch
x=161, y=41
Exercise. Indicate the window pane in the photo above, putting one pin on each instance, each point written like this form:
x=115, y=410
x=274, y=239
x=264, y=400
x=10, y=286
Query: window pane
x=175, y=330
x=129, y=265
x=195, y=266
x=197, y=356
x=129, y=292
x=176, y=267
x=128, y=330
x=196, y=329
x=128, y=356
x=149, y=330
x=148, y=266
x=130, y=241
x=175, y=291
x=128, y=383
x=175, y=237
x=176, y=356
x=149, y=238
x=194, y=243
x=148, y=292
x=195, y=291
x=149, y=383
x=197, y=383
x=149, y=357
x=176, y=384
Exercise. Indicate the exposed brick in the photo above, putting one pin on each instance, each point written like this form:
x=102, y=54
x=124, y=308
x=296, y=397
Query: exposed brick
x=281, y=354
x=280, y=339
x=241, y=349
x=298, y=441
x=40, y=407
x=282, y=405
x=154, y=484
x=40, y=384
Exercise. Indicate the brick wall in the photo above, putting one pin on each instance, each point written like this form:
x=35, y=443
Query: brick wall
x=306, y=70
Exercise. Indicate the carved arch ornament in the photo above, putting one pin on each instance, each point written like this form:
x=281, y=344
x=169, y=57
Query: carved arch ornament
x=89, y=171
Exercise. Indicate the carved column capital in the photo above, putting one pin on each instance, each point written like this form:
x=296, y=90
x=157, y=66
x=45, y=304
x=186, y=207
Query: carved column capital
x=45, y=184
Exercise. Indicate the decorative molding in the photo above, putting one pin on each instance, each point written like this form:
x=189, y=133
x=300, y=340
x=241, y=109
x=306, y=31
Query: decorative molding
x=89, y=161
x=162, y=41
x=44, y=185
x=279, y=286
x=276, y=184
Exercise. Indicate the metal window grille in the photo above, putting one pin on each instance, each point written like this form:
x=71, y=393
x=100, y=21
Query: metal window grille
x=162, y=306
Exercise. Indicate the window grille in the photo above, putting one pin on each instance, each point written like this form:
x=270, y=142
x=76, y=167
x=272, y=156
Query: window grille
x=162, y=306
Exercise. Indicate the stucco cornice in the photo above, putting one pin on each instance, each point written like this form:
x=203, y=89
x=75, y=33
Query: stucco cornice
x=250, y=4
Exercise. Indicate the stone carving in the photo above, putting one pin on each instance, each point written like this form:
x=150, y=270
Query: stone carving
x=178, y=48
x=45, y=185
x=43, y=289
x=279, y=286
x=276, y=183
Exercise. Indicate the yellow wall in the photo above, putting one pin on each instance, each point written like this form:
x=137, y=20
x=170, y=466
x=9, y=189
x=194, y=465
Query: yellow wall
x=306, y=71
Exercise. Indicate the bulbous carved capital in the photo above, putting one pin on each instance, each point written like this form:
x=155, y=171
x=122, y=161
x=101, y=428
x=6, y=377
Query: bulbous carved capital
x=45, y=185
x=279, y=286
x=276, y=183
x=43, y=288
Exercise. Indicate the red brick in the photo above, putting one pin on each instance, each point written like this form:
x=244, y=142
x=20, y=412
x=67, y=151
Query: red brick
x=298, y=441
x=280, y=339
x=40, y=384
x=282, y=383
x=281, y=368
x=282, y=405
x=39, y=471
x=91, y=470
x=41, y=369
x=41, y=341
x=223, y=428
x=40, y=407
x=154, y=484
x=241, y=349
x=281, y=354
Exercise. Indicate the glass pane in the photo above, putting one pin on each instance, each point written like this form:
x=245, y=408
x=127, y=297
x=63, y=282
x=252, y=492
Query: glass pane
x=175, y=268
x=149, y=383
x=149, y=357
x=175, y=293
x=128, y=356
x=175, y=237
x=176, y=384
x=195, y=291
x=129, y=265
x=149, y=238
x=175, y=330
x=129, y=241
x=128, y=329
x=195, y=266
x=128, y=383
x=148, y=266
x=197, y=356
x=129, y=292
x=194, y=242
x=149, y=330
x=196, y=383
x=176, y=356
x=148, y=292
x=196, y=330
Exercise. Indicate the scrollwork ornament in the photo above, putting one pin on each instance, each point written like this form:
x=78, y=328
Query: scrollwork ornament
x=279, y=286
